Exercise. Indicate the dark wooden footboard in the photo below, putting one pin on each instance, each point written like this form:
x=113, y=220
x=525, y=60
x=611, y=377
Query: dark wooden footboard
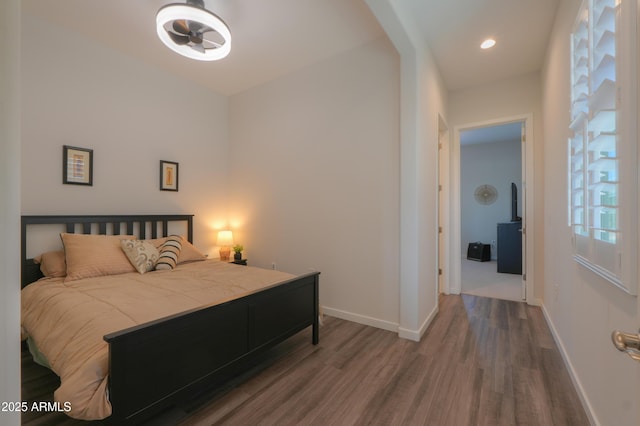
x=155, y=365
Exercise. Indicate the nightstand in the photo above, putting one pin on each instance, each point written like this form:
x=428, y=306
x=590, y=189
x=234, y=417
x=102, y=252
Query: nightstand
x=239, y=262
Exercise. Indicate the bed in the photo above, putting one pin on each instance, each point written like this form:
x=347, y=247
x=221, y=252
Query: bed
x=154, y=363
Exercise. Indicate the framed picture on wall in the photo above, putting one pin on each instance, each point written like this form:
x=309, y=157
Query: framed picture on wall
x=168, y=176
x=77, y=165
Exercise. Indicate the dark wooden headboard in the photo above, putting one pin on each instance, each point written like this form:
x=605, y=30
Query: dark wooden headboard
x=137, y=225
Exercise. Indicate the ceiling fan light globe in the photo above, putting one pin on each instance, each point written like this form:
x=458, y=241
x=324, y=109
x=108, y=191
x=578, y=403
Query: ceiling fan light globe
x=173, y=12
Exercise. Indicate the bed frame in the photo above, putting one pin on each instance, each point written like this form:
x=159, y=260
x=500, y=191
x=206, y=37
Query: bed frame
x=156, y=365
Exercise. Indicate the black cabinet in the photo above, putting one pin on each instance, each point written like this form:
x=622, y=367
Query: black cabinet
x=510, y=247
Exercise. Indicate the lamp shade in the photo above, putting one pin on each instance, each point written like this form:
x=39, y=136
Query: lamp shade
x=225, y=238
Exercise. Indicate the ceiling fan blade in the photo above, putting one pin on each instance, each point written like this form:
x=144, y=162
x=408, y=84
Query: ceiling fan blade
x=181, y=27
x=177, y=38
x=213, y=44
x=205, y=29
x=212, y=38
x=198, y=48
x=195, y=26
x=196, y=38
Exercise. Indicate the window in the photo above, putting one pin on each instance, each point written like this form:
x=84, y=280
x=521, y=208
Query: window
x=602, y=153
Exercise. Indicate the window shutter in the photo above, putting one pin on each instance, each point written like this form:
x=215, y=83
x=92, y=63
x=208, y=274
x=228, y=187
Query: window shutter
x=602, y=156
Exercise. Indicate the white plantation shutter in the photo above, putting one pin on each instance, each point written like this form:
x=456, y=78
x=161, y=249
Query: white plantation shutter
x=602, y=153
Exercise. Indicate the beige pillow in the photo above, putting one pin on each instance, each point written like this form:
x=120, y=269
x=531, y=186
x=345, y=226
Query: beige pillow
x=142, y=254
x=52, y=264
x=95, y=255
x=188, y=252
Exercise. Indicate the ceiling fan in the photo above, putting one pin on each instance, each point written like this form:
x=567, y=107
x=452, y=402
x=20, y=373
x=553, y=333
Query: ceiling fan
x=193, y=31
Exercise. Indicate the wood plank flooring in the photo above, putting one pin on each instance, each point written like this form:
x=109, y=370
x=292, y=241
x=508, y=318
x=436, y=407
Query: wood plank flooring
x=481, y=362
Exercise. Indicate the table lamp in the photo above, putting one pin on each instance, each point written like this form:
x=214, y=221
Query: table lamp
x=225, y=241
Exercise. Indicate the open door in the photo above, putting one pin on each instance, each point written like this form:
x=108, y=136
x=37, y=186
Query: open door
x=523, y=151
x=443, y=206
x=628, y=341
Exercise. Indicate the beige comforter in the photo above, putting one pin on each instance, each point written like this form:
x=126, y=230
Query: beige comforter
x=68, y=320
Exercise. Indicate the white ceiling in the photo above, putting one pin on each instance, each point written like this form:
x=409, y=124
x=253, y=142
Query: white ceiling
x=454, y=30
x=270, y=38
x=510, y=132
x=275, y=37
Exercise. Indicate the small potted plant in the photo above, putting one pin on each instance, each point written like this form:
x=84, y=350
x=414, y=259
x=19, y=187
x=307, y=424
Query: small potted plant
x=238, y=252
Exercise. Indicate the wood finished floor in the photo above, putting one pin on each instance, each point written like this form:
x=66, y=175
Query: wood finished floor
x=481, y=362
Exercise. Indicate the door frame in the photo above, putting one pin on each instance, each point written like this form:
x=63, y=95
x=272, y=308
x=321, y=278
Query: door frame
x=444, y=203
x=454, y=284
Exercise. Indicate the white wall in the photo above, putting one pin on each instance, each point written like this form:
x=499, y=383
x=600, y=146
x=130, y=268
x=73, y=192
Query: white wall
x=514, y=96
x=314, y=179
x=422, y=108
x=432, y=106
x=517, y=96
x=497, y=164
x=582, y=308
x=9, y=207
x=77, y=92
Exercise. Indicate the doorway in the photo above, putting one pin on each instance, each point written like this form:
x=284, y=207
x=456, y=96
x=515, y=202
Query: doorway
x=490, y=222
x=485, y=190
x=443, y=203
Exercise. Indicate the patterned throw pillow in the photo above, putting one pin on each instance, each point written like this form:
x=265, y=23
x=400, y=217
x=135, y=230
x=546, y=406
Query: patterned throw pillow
x=142, y=254
x=188, y=252
x=169, y=252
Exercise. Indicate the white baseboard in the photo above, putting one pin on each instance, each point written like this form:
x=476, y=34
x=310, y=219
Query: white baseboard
x=403, y=333
x=536, y=302
x=360, y=319
x=572, y=373
x=416, y=335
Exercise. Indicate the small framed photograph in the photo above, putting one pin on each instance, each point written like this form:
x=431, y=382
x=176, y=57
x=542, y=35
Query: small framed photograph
x=168, y=176
x=77, y=165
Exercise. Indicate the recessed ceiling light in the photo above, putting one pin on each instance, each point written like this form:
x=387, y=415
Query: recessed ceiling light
x=488, y=43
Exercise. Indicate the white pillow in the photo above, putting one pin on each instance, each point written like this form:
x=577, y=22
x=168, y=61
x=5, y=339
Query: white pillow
x=142, y=254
